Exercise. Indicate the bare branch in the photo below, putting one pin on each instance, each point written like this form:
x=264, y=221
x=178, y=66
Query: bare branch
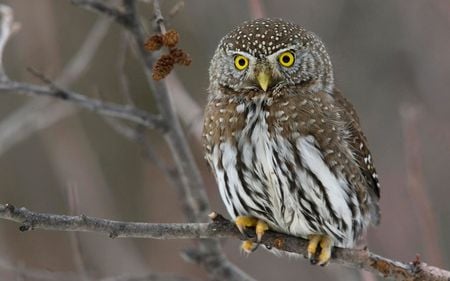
x=219, y=228
x=105, y=108
x=81, y=60
x=148, y=277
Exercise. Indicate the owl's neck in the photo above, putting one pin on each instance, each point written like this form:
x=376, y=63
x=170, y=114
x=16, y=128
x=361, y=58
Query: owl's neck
x=325, y=80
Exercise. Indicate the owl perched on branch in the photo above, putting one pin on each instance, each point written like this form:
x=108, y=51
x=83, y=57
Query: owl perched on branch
x=285, y=146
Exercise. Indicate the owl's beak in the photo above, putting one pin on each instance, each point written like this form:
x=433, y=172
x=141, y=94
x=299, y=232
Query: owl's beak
x=264, y=78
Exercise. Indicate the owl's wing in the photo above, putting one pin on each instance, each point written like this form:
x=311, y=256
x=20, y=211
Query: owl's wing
x=360, y=149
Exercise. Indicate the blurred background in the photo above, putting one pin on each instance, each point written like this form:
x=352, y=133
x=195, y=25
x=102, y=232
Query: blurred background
x=391, y=59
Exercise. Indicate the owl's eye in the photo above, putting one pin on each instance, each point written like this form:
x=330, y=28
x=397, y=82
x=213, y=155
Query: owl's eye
x=286, y=59
x=240, y=62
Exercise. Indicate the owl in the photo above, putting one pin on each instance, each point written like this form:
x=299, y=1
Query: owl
x=285, y=145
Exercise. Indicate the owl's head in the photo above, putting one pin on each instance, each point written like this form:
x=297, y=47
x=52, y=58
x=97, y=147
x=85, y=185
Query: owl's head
x=269, y=54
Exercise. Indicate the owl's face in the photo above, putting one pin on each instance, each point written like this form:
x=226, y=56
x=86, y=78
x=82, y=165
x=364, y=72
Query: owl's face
x=269, y=54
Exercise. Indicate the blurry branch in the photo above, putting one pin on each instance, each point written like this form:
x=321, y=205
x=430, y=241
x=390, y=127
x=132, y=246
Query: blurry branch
x=35, y=115
x=46, y=275
x=416, y=187
x=36, y=274
x=220, y=228
x=105, y=108
x=40, y=113
x=83, y=58
x=51, y=90
x=192, y=113
x=148, y=277
x=176, y=8
x=7, y=28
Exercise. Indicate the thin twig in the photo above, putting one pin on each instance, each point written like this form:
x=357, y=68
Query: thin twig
x=106, y=108
x=219, y=228
x=7, y=28
x=83, y=57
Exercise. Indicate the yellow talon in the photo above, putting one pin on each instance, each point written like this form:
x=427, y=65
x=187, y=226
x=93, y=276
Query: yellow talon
x=325, y=253
x=325, y=243
x=314, y=240
x=243, y=221
x=247, y=246
x=261, y=228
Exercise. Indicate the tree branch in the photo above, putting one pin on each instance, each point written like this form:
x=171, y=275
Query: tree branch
x=219, y=228
x=105, y=108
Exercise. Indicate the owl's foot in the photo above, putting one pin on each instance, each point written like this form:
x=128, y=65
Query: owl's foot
x=243, y=222
x=322, y=242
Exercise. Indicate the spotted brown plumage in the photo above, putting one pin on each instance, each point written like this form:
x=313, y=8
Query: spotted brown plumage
x=285, y=146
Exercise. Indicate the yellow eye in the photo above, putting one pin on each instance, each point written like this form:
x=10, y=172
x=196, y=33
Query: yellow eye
x=286, y=59
x=240, y=62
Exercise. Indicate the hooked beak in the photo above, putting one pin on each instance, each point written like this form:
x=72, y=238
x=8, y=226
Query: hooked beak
x=264, y=78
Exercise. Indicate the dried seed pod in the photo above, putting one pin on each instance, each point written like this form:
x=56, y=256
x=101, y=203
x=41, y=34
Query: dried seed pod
x=170, y=38
x=163, y=67
x=154, y=43
x=180, y=56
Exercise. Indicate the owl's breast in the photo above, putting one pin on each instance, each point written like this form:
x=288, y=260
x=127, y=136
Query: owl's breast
x=242, y=150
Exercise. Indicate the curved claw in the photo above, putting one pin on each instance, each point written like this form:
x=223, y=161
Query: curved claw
x=325, y=244
x=261, y=228
x=243, y=222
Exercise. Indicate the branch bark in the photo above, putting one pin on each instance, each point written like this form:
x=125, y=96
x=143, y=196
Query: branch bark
x=219, y=228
